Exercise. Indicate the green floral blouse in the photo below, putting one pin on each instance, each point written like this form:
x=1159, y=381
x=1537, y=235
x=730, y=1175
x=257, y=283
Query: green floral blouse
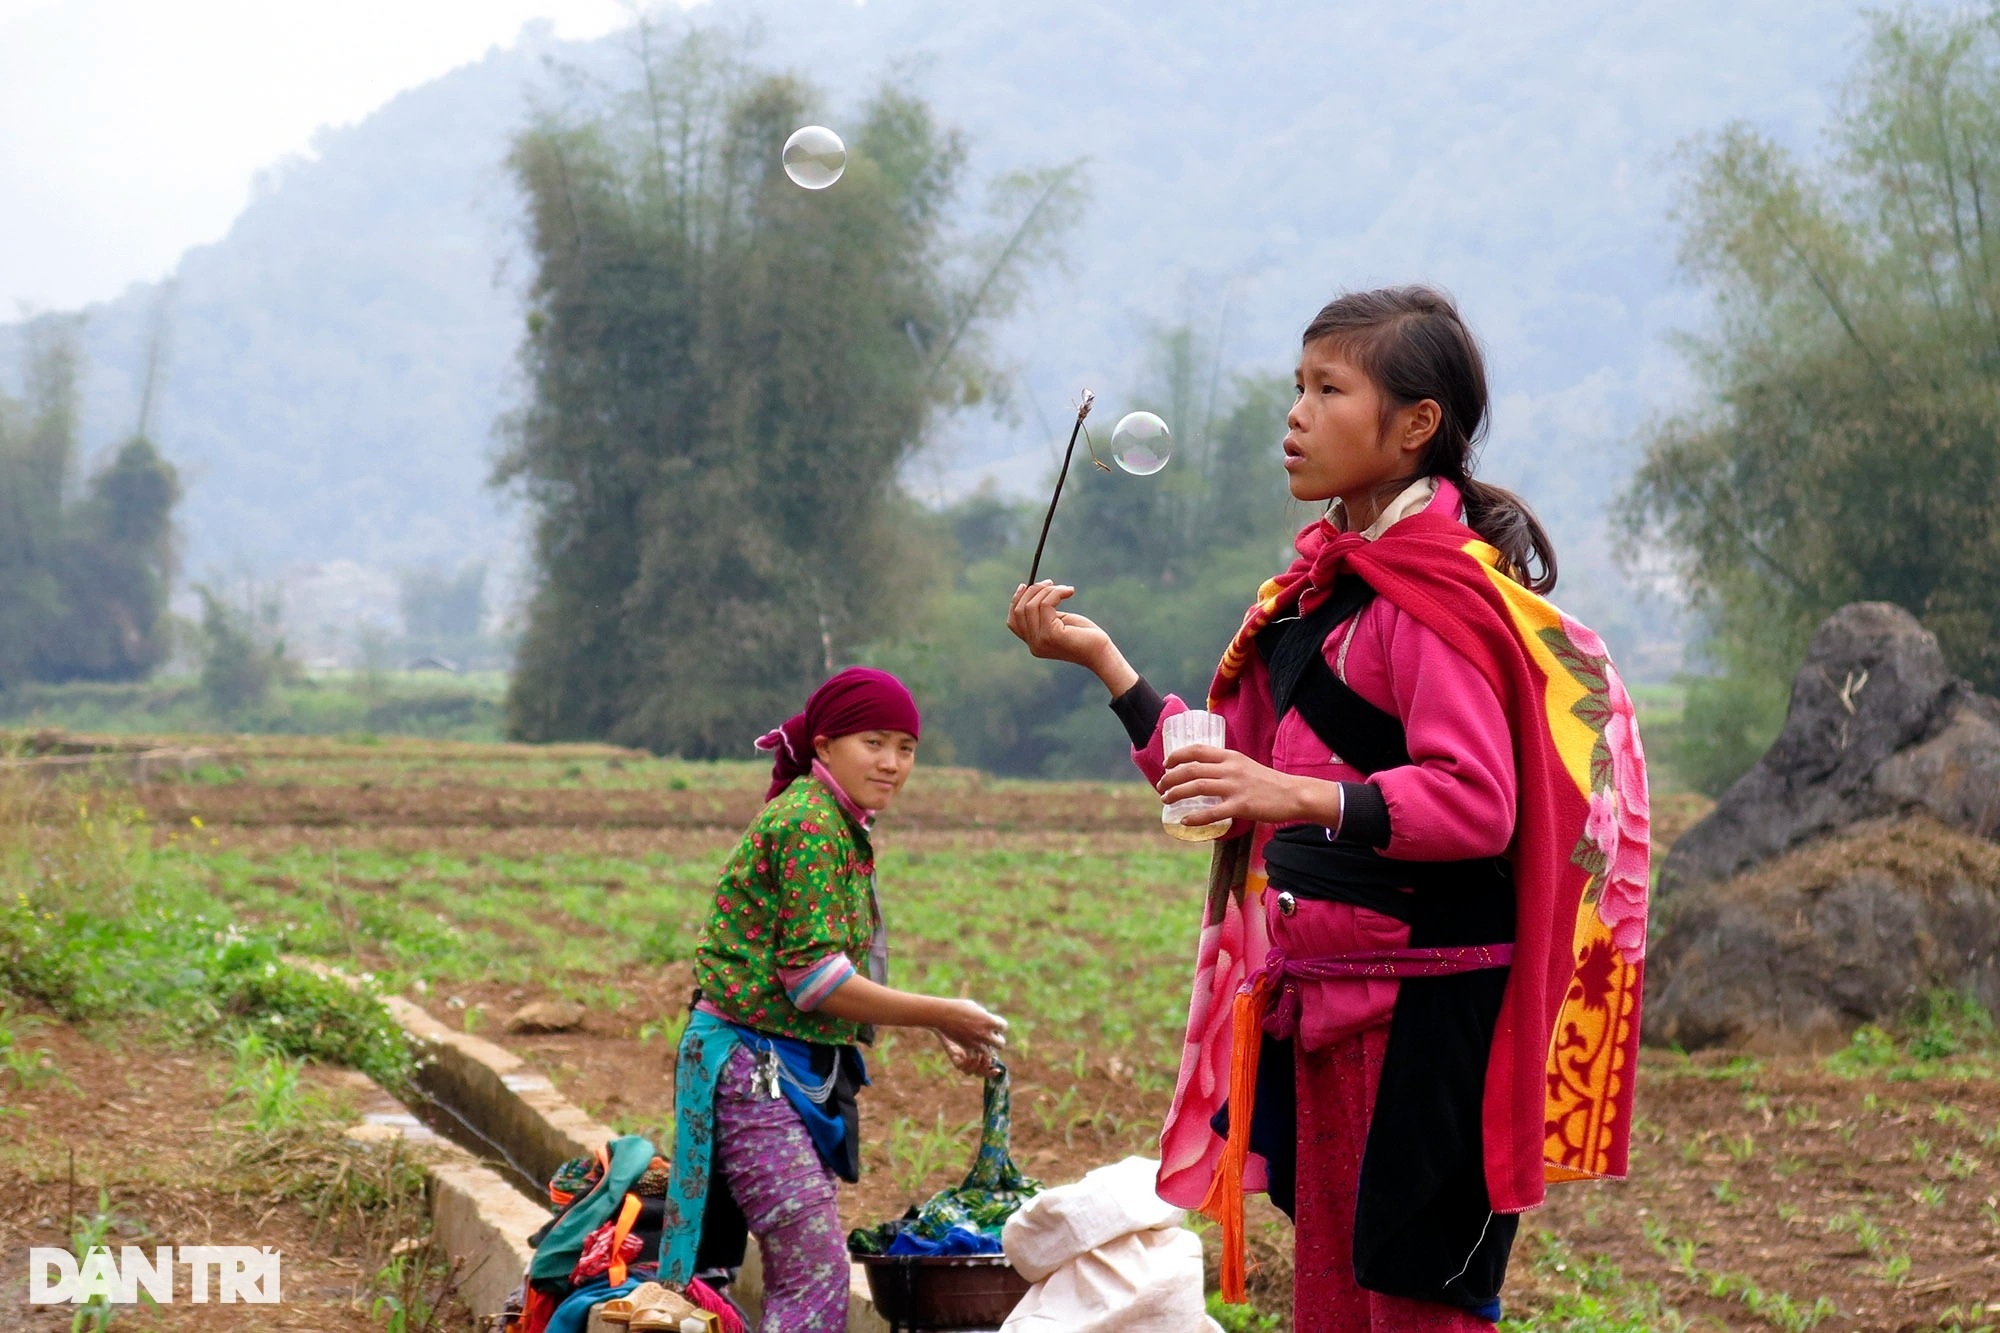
x=797, y=890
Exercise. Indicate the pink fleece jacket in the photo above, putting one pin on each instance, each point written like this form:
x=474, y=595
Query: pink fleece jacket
x=1454, y=801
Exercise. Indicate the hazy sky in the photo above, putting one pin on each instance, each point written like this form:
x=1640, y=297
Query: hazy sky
x=134, y=127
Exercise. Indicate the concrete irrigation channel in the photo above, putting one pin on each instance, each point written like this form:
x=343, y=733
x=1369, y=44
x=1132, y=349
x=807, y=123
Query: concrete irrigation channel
x=506, y=1129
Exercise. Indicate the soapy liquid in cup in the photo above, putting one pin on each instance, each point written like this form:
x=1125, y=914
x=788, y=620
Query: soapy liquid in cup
x=1193, y=727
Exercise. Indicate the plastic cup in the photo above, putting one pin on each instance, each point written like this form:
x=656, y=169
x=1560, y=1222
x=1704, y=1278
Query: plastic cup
x=1193, y=727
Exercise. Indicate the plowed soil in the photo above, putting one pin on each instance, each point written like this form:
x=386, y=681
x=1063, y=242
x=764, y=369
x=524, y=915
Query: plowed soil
x=153, y=1130
x=1756, y=1190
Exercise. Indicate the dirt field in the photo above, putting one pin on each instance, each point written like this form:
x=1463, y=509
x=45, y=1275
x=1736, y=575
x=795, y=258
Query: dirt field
x=1758, y=1189
x=160, y=1135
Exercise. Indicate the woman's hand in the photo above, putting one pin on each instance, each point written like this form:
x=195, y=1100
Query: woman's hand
x=1036, y=619
x=967, y=1025
x=1248, y=790
x=978, y=1062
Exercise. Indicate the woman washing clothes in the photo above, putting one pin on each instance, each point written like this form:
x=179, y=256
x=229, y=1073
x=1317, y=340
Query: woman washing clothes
x=791, y=968
x=1417, y=987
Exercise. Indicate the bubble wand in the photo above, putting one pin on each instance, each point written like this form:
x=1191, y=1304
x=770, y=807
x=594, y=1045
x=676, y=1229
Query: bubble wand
x=1082, y=411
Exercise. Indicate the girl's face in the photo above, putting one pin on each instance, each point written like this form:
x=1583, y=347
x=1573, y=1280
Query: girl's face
x=1338, y=443
x=870, y=766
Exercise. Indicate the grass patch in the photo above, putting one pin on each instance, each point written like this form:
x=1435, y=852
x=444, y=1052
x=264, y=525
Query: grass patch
x=1946, y=1033
x=1576, y=1294
x=91, y=928
x=1778, y=1309
x=469, y=707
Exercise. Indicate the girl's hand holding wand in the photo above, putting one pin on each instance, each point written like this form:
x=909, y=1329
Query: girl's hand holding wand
x=1036, y=619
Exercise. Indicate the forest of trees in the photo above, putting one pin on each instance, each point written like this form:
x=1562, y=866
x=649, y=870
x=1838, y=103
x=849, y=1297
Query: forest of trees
x=729, y=374
x=728, y=381
x=1845, y=442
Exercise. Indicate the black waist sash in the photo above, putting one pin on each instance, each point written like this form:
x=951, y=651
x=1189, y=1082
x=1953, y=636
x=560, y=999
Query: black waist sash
x=1424, y=1225
x=1476, y=897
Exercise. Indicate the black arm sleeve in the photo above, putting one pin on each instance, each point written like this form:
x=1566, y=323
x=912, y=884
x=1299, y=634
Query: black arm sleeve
x=1364, y=815
x=1139, y=708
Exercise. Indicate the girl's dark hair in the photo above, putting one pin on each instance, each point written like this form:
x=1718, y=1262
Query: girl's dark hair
x=1412, y=343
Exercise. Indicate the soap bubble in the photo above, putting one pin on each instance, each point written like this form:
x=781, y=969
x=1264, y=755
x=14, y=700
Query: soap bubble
x=1141, y=443
x=814, y=157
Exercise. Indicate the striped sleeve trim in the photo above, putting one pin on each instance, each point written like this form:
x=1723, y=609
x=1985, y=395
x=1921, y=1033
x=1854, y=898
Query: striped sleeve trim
x=808, y=987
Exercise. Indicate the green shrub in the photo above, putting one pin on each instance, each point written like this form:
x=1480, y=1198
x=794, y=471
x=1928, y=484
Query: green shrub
x=1947, y=1023
x=241, y=657
x=85, y=930
x=1726, y=724
x=1942, y=1025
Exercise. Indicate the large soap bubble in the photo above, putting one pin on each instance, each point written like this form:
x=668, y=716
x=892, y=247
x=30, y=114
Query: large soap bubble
x=1141, y=443
x=814, y=157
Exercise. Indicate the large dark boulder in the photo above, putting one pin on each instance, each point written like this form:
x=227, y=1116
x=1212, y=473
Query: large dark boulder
x=1853, y=868
x=1798, y=953
x=1877, y=726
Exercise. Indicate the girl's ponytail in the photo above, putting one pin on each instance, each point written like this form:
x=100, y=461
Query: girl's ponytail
x=1413, y=344
x=1504, y=521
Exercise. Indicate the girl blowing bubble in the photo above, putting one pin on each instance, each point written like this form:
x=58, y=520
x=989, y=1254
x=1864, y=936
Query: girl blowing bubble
x=1417, y=990
x=792, y=968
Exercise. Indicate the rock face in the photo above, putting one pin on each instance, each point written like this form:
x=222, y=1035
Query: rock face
x=1852, y=868
x=1796, y=955
x=1877, y=726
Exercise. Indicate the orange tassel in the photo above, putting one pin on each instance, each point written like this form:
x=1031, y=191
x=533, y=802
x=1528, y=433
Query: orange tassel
x=1224, y=1201
x=627, y=1215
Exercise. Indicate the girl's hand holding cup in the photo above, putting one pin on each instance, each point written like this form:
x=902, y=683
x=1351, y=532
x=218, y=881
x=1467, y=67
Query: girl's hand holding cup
x=1186, y=814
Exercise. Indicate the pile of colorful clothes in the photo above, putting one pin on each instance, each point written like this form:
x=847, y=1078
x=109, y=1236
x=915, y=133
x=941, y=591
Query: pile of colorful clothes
x=603, y=1241
x=967, y=1217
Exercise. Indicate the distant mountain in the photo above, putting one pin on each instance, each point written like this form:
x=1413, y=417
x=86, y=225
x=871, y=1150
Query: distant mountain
x=339, y=359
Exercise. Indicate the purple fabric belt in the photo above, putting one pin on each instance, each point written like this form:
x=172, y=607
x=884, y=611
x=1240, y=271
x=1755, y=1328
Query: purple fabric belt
x=1282, y=1019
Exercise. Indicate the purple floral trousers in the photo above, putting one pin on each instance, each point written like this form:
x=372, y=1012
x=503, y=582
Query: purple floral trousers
x=787, y=1196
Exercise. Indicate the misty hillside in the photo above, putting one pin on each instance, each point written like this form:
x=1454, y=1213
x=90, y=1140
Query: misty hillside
x=339, y=359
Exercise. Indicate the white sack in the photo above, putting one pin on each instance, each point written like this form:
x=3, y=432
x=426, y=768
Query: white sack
x=1106, y=1255
x=1143, y=1282
x=1070, y=1221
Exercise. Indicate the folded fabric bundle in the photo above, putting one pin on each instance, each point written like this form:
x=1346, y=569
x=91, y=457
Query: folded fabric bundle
x=957, y=1240
x=598, y=1253
x=980, y=1204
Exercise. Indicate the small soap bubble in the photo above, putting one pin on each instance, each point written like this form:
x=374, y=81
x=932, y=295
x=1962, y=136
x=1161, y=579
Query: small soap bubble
x=814, y=157
x=1141, y=443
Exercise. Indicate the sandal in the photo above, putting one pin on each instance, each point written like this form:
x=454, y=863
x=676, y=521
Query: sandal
x=621, y=1309
x=653, y=1308
x=673, y=1314
x=663, y=1321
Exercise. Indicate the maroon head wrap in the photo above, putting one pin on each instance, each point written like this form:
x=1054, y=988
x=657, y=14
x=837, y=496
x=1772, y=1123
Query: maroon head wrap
x=857, y=699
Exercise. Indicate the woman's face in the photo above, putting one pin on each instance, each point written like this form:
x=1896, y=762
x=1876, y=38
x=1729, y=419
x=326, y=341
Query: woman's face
x=870, y=766
x=1337, y=442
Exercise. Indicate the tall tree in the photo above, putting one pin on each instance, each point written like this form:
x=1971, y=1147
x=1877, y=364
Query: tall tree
x=1846, y=440
x=442, y=612
x=114, y=566
x=83, y=577
x=727, y=374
